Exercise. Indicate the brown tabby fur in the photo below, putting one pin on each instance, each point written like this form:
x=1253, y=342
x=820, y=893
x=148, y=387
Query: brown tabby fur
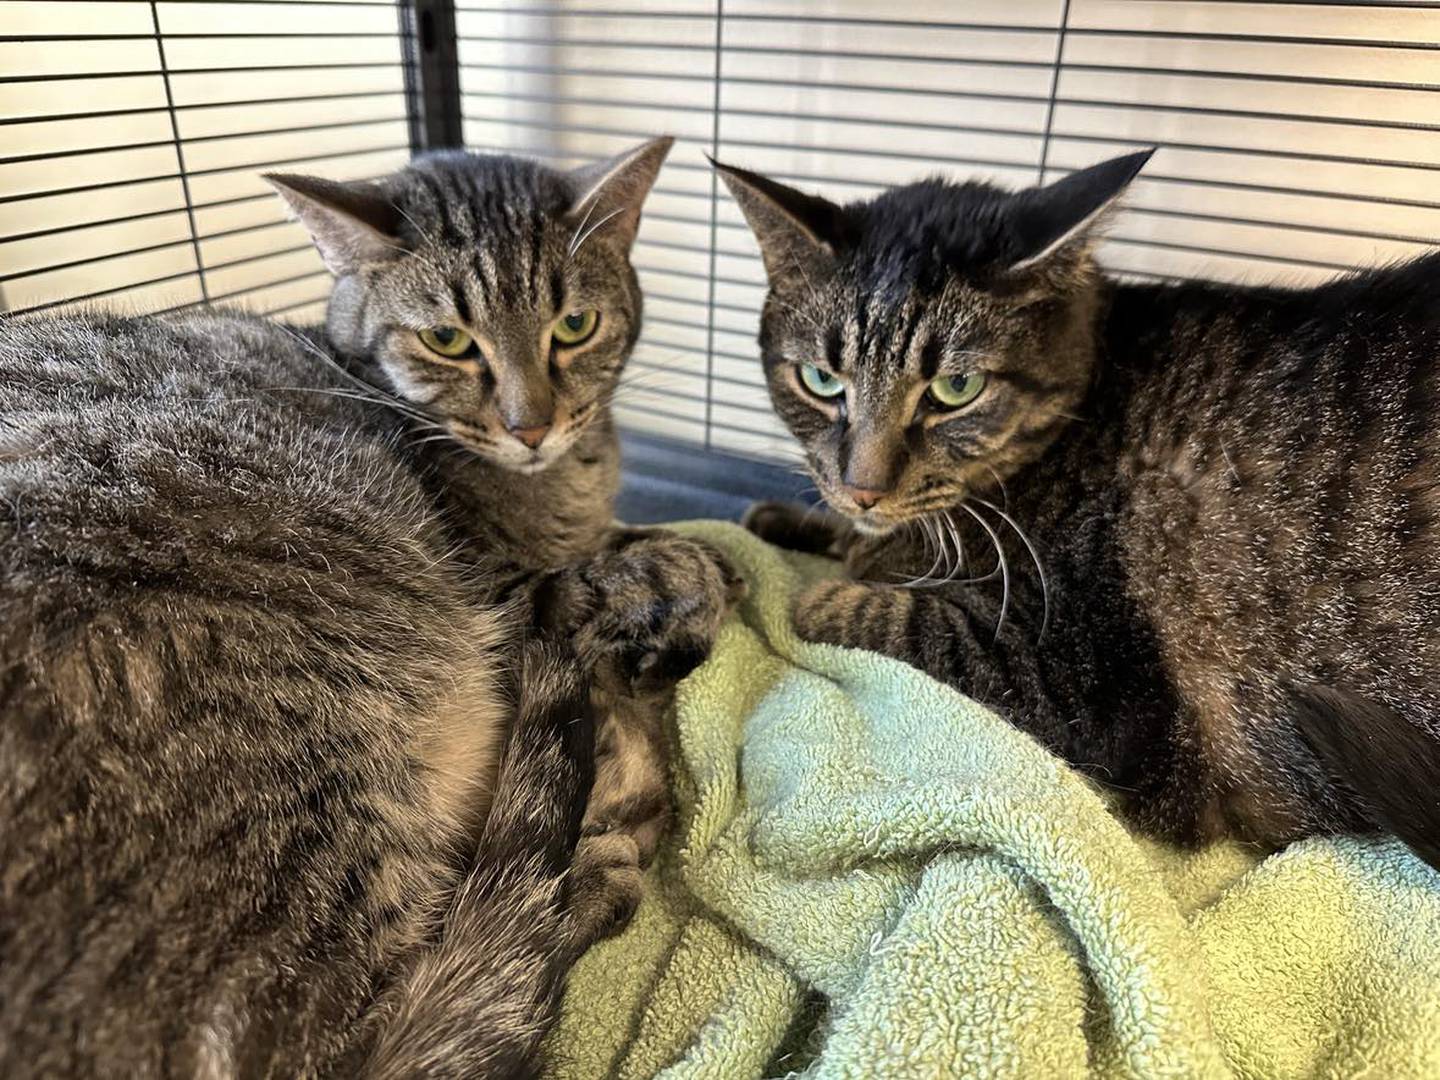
x=1186, y=535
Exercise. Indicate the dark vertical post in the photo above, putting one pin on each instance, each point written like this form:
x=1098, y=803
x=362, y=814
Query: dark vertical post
x=432, y=74
x=179, y=154
x=714, y=217
x=1054, y=90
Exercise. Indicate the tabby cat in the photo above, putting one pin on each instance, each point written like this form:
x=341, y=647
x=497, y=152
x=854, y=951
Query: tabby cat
x=1187, y=535
x=296, y=743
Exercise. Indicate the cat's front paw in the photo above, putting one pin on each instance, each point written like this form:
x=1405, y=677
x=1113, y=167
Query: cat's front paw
x=603, y=888
x=807, y=529
x=658, y=605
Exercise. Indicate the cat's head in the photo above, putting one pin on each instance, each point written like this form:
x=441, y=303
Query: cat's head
x=931, y=340
x=493, y=293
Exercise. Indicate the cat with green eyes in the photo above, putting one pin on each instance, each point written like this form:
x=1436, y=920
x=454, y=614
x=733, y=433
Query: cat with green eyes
x=330, y=695
x=1186, y=535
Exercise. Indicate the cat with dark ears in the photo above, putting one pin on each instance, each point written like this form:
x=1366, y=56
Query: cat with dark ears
x=1183, y=534
x=330, y=694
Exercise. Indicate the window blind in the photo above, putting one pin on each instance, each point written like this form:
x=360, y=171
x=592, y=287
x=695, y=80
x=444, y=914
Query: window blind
x=134, y=134
x=1297, y=139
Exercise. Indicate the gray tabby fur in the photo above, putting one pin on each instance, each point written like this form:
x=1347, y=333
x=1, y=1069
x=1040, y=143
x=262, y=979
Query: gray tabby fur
x=293, y=751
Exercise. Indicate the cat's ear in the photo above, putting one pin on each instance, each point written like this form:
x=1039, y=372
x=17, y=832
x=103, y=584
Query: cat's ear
x=351, y=223
x=1048, y=219
x=609, y=194
x=794, y=229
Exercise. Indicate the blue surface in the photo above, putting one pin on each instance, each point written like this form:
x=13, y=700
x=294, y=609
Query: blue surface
x=667, y=481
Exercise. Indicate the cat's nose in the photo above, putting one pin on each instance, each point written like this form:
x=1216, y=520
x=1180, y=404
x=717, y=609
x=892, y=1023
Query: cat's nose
x=531, y=436
x=865, y=498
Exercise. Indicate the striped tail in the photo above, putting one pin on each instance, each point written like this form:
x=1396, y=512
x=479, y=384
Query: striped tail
x=1390, y=764
x=480, y=1001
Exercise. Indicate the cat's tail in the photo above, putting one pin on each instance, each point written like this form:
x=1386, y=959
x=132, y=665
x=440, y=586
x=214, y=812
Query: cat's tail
x=1390, y=764
x=478, y=1003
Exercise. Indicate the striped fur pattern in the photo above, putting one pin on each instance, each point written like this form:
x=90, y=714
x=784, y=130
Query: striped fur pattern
x=294, y=760
x=1186, y=535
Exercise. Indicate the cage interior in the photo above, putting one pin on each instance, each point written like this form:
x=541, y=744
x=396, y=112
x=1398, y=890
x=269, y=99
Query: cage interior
x=1297, y=140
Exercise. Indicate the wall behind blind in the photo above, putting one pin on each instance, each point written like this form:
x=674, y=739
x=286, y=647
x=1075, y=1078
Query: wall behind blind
x=1297, y=139
x=132, y=136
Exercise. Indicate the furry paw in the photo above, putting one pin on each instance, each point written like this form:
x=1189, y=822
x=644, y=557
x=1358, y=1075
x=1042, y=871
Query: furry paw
x=653, y=609
x=631, y=793
x=604, y=888
x=807, y=529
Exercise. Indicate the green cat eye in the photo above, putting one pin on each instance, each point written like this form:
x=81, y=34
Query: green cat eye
x=953, y=391
x=446, y=341
x=820, y=383
x=576, y=327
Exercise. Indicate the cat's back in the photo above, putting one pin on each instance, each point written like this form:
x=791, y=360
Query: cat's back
x=135, y=444
x=95, y=381
x=185, y=362
x=1228, y=333
x=1279, y=458
x=244, y=703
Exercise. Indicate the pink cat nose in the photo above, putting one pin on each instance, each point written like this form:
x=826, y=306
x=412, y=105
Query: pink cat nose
x=865, y=498
x=531, y=436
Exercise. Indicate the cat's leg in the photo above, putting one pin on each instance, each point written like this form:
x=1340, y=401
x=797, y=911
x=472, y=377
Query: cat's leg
x=810, y=529
x=644, y=613
x=480, y=1000
x=954, y=635
x=631, y=792
x=946, y=639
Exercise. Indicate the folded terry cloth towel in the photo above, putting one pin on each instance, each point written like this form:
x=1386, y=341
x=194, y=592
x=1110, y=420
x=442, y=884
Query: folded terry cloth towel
x=872, y=876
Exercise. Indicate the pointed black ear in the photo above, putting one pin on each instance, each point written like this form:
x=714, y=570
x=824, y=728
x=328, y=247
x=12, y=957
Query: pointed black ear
x=351, y=223
x=610, y=194
x=1047, y=219
x=795, y=230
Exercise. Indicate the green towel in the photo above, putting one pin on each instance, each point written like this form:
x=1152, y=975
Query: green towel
x=873, y=877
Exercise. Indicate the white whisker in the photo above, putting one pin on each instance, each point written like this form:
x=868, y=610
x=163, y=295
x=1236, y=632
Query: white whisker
x=814, y=298
x=577, y=244
x=373, y=393
x=590, y=209
x=928, y=531
x=1004, y=495
x=424, y=236
x=802, y=314
x=960, y=562
x=1004, y=566
x=354, y=395
x=1044, y=585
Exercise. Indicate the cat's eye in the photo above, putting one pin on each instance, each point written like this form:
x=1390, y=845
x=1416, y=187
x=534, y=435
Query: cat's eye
x=576, y=327
x=446, y=341
x=820, y=383
x=956, y=391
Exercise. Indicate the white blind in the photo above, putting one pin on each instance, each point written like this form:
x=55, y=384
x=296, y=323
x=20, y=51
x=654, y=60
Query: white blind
x=132, y=136
x=1297, y=139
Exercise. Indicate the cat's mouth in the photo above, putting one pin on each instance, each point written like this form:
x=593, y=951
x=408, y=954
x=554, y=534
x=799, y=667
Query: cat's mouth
x=511, y=454
x=872, y=524
x=873, y=521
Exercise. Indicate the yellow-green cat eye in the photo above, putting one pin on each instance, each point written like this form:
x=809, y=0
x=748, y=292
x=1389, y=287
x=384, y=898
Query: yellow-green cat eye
x=446, y=341
x=955, y=391
x=820, y=383
x=576, y=327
